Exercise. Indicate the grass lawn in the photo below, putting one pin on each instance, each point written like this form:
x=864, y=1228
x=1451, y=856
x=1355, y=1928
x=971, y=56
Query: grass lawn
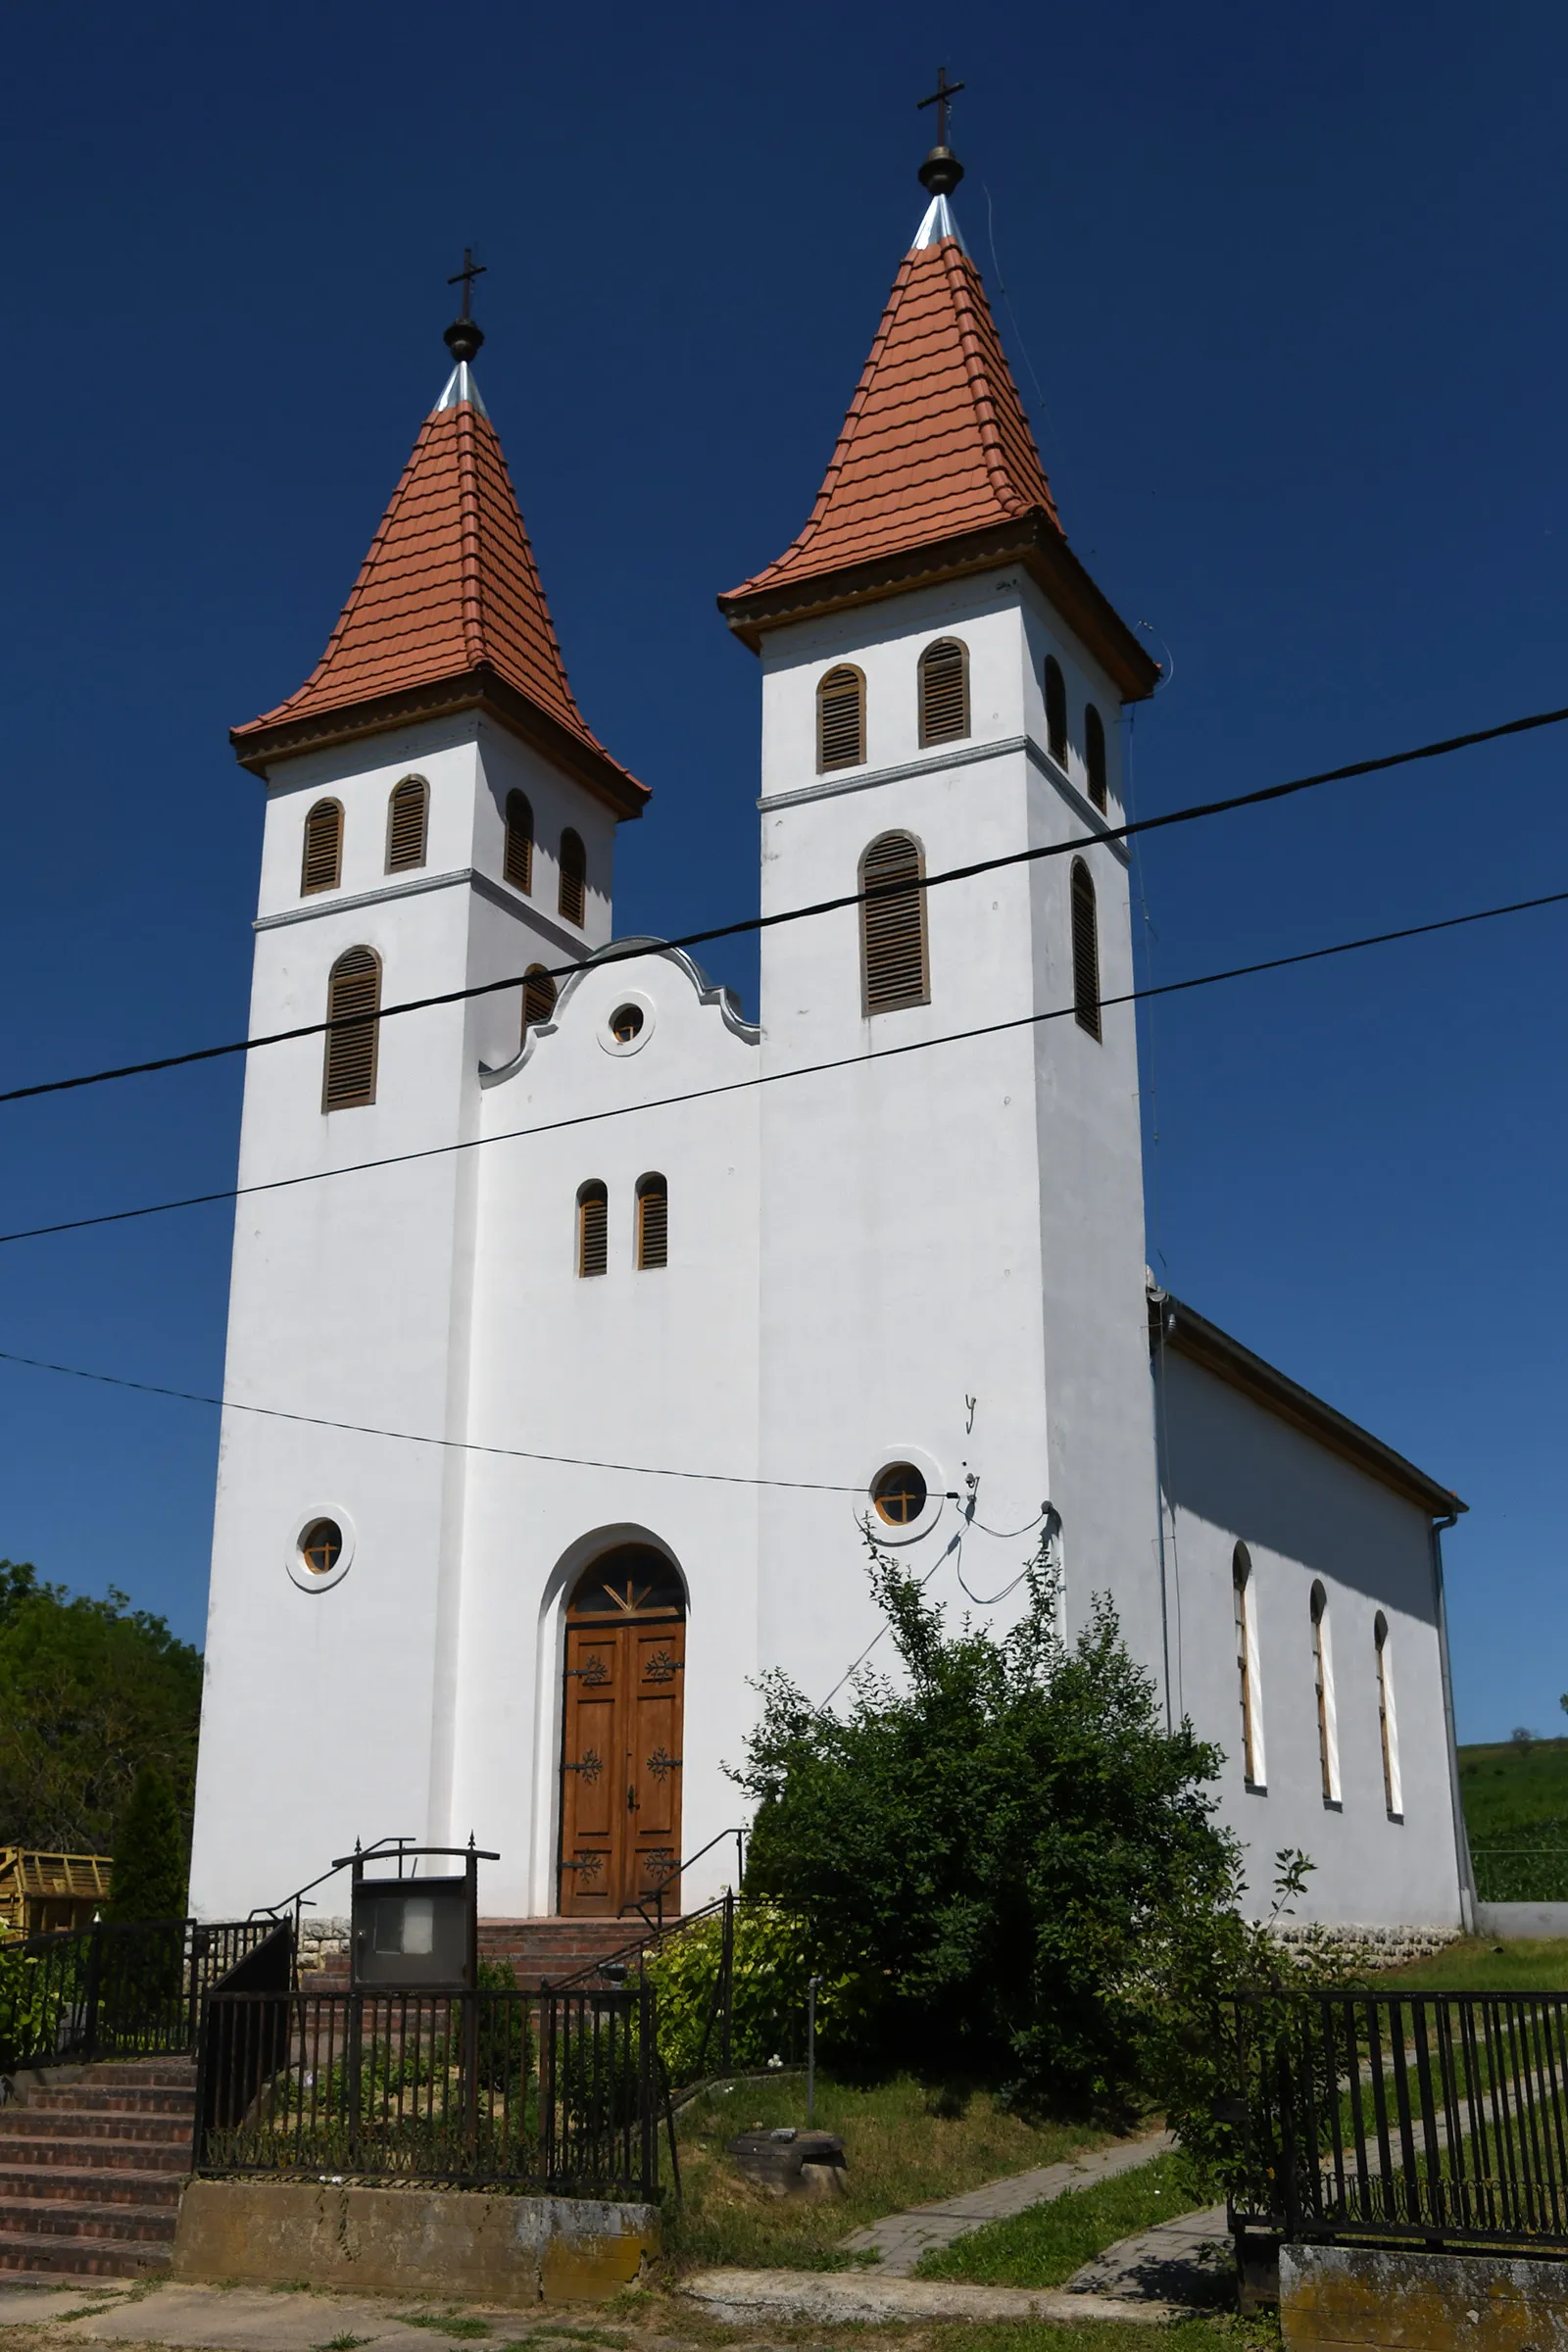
x=1516, y=1797
x=905, y=2143
x=1045, y=2245
x=1477, y=1964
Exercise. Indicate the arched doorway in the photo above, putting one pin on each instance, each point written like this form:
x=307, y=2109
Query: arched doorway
x=622, y=1725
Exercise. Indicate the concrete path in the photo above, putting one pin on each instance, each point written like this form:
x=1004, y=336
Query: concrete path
x=1186, y=2260
x=252, y=2319
x=901, y=2239
x=840, y=2297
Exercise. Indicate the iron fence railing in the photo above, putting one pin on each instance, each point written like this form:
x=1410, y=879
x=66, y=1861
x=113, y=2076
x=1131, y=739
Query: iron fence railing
x=117, y=1989
x=1436, y=2117
x=554, y=2091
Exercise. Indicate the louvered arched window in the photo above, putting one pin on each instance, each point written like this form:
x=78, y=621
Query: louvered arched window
x=653, y=1221
x=517, y=863
x=943, y=691
x=1328, y=1732
x=1055, y=710
x=1085, y=951
x=1388, y=1721
x=893, y=951
x=538, y=998
x=1254, y=1768
x=841, y=719
x=407, y=812
x=573, y=877
x=1095, y=755
x=352, y=997
x=593, y=1228
x=322, y=857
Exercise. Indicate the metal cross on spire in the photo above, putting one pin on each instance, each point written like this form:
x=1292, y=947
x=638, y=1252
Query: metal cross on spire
x=471, y=269
x=940, y=98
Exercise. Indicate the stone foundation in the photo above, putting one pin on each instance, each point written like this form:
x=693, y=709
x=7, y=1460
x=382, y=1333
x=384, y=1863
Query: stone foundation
x=321, y=1940
x=1334, y=2298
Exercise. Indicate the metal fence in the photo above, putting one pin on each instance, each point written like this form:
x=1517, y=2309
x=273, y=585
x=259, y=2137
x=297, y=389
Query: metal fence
x=130, y=1989
x=1437, y=2117
x=555, y=2091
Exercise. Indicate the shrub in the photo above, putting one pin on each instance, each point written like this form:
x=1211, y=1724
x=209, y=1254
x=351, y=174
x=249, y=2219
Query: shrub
x=150, y=1865
x=773, y=1958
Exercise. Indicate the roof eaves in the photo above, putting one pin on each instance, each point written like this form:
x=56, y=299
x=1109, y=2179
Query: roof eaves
x=1174, y=1325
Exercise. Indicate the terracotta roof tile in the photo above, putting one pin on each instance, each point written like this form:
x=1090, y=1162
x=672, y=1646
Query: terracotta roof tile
x=449, y=589
x=936, y=442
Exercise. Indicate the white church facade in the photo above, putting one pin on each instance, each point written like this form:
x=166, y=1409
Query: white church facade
x=563, y=1389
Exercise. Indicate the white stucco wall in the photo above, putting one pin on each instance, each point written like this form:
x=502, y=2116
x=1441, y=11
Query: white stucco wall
x=1234, y=1472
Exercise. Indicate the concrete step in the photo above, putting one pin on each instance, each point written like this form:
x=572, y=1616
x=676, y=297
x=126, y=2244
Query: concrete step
x=47, y=2257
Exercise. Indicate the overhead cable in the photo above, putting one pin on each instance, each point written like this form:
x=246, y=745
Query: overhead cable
x=633, y=952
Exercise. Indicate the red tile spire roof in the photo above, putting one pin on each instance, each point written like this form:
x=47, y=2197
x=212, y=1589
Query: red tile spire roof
x=448, y=612
x=935, y=474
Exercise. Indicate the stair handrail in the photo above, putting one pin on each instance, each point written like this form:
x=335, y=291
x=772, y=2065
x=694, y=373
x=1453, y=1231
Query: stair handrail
x=295, y=1902
x=656, y=1893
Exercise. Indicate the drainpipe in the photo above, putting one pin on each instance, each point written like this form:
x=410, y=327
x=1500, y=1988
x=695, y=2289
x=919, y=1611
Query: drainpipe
x=1461, y=1838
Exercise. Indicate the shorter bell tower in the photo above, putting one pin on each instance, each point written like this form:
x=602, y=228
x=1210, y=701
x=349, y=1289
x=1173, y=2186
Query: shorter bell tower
x=439, y=816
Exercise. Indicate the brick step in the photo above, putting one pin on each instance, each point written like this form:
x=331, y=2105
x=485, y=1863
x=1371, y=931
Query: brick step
x=41, y=2217
x=80, y=2257
x=152, y=2131
x=37, y=2149
x=149, y=2073
x=92, y=2185
x=92, y=2099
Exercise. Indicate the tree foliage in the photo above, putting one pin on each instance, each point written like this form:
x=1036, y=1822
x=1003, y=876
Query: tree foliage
x=89, y=1691
x=1005, y=1850
x=151, y=1854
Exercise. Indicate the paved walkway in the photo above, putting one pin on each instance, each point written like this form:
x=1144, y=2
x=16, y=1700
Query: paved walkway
x=258, y=2319
x=1185, y=2260
x=742, y=2298
x=901, y=2239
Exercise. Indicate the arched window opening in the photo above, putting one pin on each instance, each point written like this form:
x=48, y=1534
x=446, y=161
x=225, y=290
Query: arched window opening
x=322, y=857
x=1085, y=952
x=1095, y=755
x=1387, y=1721
x=353, y=998
x=1055, y=710
x=841, y=719
x=517, y=864
x=943, y=691
x=406, y=813
x=1328, y=1735
x=893, y=944
x=573, y=877
x=1253, y=1770
x=653, y=1221
x=593, y=1228
x=538, y=998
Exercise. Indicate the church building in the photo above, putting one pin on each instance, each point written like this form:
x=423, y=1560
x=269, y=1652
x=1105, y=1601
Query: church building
x=581, y=1325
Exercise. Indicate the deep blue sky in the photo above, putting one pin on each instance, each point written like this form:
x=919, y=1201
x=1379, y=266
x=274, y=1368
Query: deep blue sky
x=1291, y=286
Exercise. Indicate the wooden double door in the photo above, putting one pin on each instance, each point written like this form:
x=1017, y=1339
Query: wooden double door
x=622, y=1717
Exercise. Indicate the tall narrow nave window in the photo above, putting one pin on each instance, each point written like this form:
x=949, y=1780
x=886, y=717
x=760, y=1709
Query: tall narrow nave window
x=1328, y=1732
x=593, y=1228
x=1253, y=1769
x=653, y=1221
x=323, y=848
x=943, y=691
x=573, y=877
x=1055, y=710
x=1095, y=755
x=406, y=813
x=517, y=865
x=538, y=998
x=893, y=926
x=353, y=996
x=1388, y=1721
x=1085, y=951
x=839, y=719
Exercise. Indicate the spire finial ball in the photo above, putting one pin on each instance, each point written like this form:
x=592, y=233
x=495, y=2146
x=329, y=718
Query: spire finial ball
x=941, y=172
x=463, y=338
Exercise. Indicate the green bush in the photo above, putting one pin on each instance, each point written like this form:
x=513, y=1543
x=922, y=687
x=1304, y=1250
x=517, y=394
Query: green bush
x=150, y=1855
x=1010, y=1864
x=773, y=1960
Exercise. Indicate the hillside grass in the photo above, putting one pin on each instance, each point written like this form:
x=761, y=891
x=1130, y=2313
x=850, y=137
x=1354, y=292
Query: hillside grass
x=1045, y=2244
x=1477, y=1964
x=1516, y=1811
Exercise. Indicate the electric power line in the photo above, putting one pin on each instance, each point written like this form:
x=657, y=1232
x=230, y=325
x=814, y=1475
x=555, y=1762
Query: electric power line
x=612, y=955
x=810, y=1069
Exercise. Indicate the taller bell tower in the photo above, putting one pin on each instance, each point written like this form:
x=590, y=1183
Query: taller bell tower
x=438, y=814
x=951, y=1231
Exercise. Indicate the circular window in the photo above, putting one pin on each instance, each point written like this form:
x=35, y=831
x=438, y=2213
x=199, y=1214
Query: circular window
x=321, y=1547
x=900, y=1494
x=625, y=1023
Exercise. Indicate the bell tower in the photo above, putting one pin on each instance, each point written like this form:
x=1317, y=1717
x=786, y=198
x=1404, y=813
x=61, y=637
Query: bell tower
x=438, y=814
x=951, y=1211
